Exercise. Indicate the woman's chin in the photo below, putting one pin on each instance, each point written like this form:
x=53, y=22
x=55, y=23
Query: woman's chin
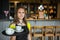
x=20, y=18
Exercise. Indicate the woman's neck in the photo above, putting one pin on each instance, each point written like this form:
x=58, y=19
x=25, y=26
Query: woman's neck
x=21, y=21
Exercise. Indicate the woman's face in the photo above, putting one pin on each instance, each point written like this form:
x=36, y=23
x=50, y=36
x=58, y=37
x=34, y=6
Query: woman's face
x=21, y=13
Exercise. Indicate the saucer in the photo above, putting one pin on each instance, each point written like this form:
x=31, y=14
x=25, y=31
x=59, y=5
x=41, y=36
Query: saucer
x=20, y=30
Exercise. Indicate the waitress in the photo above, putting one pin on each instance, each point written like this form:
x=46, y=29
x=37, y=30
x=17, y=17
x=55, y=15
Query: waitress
x=19, y=18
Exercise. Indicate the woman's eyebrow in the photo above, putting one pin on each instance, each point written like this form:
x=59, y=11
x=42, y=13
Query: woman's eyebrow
x=20, y=12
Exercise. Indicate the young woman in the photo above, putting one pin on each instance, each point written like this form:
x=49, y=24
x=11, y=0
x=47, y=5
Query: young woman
x=19, y=18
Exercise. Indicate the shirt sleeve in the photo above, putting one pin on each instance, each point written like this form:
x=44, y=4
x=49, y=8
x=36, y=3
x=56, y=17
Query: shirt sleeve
x=28, y=26
x=12, y=26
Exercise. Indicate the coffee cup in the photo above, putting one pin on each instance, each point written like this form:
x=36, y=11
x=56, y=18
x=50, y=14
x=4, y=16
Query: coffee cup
x=9, y=31
x=18, y=28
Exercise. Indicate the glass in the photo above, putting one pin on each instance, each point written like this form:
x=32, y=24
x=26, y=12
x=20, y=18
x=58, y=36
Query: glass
x=6, y=13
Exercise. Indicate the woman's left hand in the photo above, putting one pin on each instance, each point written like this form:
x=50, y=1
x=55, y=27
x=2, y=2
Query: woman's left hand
x=29, y=36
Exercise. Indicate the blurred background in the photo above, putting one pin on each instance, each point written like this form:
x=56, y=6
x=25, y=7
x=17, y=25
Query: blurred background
x=51, y=8
x=51, y=12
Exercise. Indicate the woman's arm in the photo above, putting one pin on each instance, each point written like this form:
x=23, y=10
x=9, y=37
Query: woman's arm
x=13, y=38
x=29, y=36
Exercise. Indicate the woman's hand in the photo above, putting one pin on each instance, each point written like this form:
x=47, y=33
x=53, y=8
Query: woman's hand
x=13, y=38
x=29, y=36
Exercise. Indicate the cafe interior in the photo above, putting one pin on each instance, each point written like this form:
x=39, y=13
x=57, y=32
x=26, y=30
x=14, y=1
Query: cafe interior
x=43, y=15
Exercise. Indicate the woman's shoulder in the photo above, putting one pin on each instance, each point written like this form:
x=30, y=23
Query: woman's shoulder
x=28, y=23
x=12, y=23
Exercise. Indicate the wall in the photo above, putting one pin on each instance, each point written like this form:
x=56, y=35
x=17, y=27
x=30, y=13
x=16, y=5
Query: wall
x=0, y=8
x=58, y=11
x=4, y=6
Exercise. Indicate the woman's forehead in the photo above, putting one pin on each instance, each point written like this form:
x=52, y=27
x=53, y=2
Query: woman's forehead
x=21, y=9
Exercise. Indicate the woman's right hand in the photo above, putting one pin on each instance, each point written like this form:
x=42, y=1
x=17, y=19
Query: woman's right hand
x=13, y=38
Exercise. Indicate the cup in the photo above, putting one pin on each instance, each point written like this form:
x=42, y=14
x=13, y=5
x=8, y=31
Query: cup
x=18, y=28
x=9, y=31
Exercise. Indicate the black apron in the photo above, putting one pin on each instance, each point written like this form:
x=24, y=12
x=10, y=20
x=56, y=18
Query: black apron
x=23, y=35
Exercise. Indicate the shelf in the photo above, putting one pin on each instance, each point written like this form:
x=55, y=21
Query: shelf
x=32, y=8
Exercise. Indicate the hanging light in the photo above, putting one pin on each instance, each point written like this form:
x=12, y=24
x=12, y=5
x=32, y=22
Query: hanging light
x=40, y=7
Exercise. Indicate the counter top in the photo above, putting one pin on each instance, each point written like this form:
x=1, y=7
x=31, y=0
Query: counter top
x=5, y=20
x=43, y=19
x=32, y=19
x=44, y=22
x=38, y=22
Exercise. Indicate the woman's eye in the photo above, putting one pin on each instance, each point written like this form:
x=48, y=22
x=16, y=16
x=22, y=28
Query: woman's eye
x=19, y=12
x=22, y=12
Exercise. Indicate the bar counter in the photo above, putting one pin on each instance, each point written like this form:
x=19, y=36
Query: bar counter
x=44, y=22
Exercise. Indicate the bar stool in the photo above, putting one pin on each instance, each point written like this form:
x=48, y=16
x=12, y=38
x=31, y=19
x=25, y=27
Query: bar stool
x=49, y=32
x=57, y=32
x=38, y=32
